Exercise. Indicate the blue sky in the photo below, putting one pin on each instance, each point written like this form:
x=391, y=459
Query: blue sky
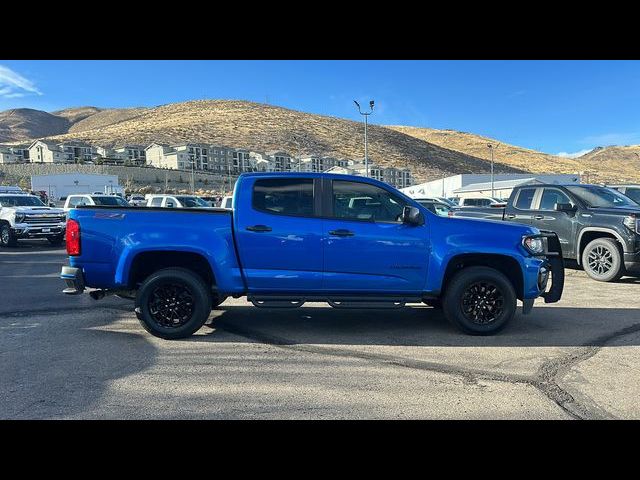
x=552, y=106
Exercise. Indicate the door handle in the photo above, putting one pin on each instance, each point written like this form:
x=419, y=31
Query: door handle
x=511, y=215
x=341, y=233
x=259, y=228
x=538, y=217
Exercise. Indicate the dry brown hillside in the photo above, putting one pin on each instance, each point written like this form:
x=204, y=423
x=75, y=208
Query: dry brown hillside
x=608, y=164
x=613, y=164
x=24, y=123
x=76, y=114
x=105, y=117
x=265, y=127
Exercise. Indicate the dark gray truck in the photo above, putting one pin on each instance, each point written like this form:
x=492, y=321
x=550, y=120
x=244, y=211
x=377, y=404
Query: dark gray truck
x=597, y=226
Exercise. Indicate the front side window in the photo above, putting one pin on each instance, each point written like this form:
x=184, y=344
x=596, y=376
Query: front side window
x=192, y=202
x=362, y=201
x=284, y=196
x=550, y=197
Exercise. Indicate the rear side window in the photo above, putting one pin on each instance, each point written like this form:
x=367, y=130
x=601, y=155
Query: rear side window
x=525, y=198
x=156, y=202
x=284, y=196
x=550, y=197
x=75, y=201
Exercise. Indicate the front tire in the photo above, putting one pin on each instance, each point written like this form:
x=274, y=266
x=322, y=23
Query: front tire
x=479, y=301
x=7, y=238
x=173, y=303
x=602, y=260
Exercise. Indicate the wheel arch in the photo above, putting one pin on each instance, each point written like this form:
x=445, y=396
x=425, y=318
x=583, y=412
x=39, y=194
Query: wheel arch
x=505, y=264
x=589, y=234
x=147, y=262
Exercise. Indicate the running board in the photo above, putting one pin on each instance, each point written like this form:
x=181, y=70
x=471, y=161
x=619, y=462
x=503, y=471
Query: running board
x=285, y=301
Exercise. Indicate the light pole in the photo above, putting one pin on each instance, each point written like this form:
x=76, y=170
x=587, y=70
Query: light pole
x=365, y=115
x=193, y=179
x=491, y=149
x=296, y=139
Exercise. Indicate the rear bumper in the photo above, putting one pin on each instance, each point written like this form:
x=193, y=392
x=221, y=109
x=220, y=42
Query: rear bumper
x=74, y=279
x=632, y=262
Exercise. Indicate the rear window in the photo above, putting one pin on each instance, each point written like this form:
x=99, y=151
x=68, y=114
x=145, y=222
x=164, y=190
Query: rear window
x=284, y=196
x=525, y=198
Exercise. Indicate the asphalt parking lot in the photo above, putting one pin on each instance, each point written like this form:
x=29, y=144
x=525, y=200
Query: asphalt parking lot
x=72, y=357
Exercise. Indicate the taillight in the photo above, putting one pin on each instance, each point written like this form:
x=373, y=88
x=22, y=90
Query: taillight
x=73, y=237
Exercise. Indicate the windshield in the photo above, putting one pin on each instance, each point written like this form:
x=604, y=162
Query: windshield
x=21, y=201
x=111, y=200
x=633, y=194
x=595, y=196
x=191, y=202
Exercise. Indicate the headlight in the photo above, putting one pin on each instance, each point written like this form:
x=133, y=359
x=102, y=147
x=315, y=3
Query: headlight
x=534, y=244
x=19, y=217
x=632, y=222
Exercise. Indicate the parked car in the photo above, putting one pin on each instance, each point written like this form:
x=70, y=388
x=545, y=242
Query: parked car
x=480, y=202
x=631, y=191
x=73, y=201
x=24, y=216
x=297, y=237
x=435, y=206
x=137, y=200
x=176, y=201
x=598, y=226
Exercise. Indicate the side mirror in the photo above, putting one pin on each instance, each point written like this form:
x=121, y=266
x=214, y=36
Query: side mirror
x=564, y=207
x=170, y=205
x=412, y=216
x=51, y=204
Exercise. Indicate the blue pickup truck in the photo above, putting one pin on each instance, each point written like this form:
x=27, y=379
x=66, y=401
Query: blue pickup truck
x=292, y=238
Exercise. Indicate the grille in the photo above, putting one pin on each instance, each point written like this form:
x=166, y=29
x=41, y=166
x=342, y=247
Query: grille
x=40, y=219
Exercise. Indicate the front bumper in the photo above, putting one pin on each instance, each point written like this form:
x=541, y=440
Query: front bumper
x=74, y=279
x=29, y=230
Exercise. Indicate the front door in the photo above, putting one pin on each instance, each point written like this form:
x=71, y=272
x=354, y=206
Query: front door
x=366, y=246
x=279, y=234
x=563, y=223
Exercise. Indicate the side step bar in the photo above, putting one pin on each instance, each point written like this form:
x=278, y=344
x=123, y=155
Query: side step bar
x=335, y=301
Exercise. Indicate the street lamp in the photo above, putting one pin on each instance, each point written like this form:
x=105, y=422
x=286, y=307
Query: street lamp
x=296, y=139
x=365, y=115
x=491, y=149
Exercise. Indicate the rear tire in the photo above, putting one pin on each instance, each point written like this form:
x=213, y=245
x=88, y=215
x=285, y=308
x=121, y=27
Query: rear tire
x=7, y=238
x=479, y=301
x=602, y=260
x=173, y=303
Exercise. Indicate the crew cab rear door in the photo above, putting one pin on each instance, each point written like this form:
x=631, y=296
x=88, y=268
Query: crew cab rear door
x=520, y=209
x=278, y=232
x=367, y=248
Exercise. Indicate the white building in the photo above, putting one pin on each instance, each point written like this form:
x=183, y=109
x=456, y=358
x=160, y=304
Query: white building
x=64, y=184
x=9, y=155
x=46, y=151
x=447, y=187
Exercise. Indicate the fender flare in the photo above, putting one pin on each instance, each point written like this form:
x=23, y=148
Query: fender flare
x=595, y=229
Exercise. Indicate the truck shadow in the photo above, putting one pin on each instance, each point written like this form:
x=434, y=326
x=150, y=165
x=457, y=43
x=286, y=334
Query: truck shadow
x=420, y=326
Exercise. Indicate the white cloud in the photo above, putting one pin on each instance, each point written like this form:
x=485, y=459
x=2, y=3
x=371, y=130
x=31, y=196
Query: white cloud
x=574, y=154
x=14, y=85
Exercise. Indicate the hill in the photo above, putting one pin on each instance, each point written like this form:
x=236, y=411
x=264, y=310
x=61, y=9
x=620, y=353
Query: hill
x=24, y=123
x=614, y=164
x=265, y=127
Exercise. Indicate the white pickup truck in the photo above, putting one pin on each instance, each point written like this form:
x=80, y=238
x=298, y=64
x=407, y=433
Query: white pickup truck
x=25, y=216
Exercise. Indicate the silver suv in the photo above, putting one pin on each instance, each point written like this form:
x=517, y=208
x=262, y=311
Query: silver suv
x=25, y=216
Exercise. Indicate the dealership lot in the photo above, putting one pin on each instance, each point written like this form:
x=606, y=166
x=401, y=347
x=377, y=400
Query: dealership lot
x=71, y=357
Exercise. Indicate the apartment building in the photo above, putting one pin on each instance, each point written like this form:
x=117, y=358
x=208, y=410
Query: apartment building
x=13, y=154
x=312, y=163
x=45, y=151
